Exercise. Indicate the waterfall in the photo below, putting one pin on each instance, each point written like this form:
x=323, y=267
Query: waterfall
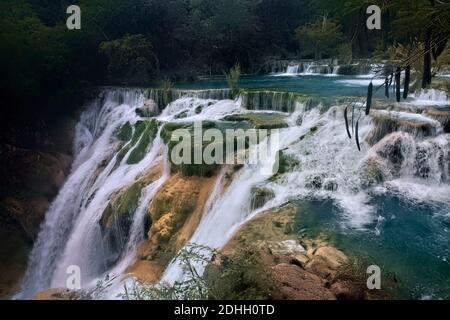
x=70, y=234
x=332, y=168
x=163, y=97
x=274, y=100
x=319, y=67
x=430, y=97
x=292, y=69
x=402, y=153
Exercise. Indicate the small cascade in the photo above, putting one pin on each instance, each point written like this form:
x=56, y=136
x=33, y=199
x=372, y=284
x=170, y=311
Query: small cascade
x=209, y=94
x=418, y=125
x=316, y=67
x=100, y=215
x=163, y=97
x=430, y=97
x=273, y=100
x=336, y=70
x=292, y=69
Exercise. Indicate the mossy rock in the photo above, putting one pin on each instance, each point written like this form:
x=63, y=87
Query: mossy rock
x=261, y=120
x=197, y=169
x=123, y=202
x=147, y=137
x=260, y=196
x=116, y=221
x=385, y=123
x=442, y=115
x=125, y=132
x=143, y=135
x=286, y=162
x=117, y=218
x=276, y=100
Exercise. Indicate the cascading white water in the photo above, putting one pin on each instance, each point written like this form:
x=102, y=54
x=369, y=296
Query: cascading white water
x=330, y=167
x=430, y=97
x=292, y=69
x=70, y=234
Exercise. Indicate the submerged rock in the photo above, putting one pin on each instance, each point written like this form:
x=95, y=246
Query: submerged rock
x=315, y=182
x=261, y=120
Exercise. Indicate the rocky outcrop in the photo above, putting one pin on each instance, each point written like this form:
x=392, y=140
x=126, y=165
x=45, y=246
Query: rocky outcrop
x=30, y=181
x=175, y=213
x=299, y=268
x=386, y=122
x=260, y=196
x=261, y=120
x=442, y=115
x=117, y=218
x=57, y=294
x=136, y=141
x=149, y=109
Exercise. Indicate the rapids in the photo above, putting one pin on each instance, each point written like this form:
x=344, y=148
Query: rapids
x=410, y=167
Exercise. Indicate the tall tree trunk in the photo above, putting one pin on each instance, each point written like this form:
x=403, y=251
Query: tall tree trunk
x=426, y=79
x=386, y=28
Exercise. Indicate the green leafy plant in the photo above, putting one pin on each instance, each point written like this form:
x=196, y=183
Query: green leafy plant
x=191, y=287
x=233, y=77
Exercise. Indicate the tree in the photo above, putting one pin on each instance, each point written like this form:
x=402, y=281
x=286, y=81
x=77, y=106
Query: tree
x=320, y=38
x=428, y=20
x=233, y=77
x=130, y=59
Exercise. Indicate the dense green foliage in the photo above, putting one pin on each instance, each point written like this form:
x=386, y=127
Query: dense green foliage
x=320, y=38
x=45, y=67
x=130, y=58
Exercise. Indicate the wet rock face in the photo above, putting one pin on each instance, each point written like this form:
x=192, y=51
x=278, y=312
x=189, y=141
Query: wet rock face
x=30, y=181
x=388, y=122
x=117, y=218
x=149, y=109
x=427, y=159
x=175, y=212
x=375, y=170
x=393, y=147
x=261, y=120
x=299, y=268
x=260, y=196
